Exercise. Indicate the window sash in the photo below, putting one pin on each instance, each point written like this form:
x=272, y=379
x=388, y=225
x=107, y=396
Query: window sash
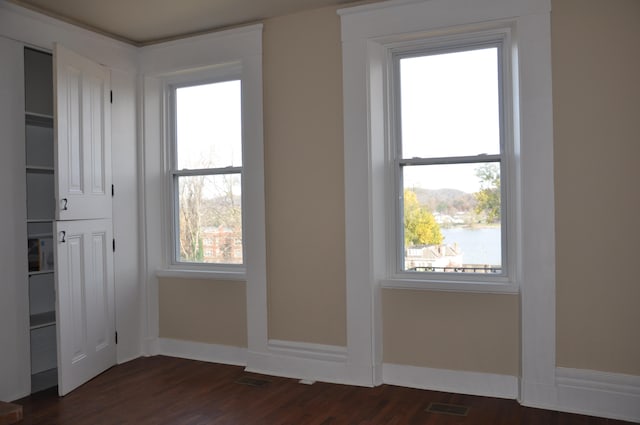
x=438, y=47
x=206, y=171
x=176, y=215
x=174, y=175
x=449, y=160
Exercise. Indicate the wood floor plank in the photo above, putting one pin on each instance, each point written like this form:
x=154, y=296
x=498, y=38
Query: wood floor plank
x=169, y=391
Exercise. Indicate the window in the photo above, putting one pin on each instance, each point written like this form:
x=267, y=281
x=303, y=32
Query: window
x=204, y=157
x=206, y=173
x=449, y=148
x=446, y=109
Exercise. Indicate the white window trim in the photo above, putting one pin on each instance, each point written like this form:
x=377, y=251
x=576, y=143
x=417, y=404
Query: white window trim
x=159, y=63
x=364, y=29
x=456, y=40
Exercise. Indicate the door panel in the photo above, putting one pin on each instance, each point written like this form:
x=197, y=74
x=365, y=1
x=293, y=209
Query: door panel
x=76, y=306
x=85, y=301
x=83, y=137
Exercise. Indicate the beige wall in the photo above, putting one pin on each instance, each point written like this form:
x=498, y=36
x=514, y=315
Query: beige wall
x=212, y=312
x=596, y=69
x=304, y=177
x=596, y=89
x=472, y=332
x=304, y=200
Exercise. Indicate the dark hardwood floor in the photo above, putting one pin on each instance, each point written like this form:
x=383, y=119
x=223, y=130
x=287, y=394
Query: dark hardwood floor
x=165, y=390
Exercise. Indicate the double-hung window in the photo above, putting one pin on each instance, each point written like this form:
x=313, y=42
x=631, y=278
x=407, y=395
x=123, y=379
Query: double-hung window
x=450, y=157
x=206, y=170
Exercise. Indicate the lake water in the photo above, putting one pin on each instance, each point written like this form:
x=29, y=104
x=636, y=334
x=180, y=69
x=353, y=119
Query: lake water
x=479, y=246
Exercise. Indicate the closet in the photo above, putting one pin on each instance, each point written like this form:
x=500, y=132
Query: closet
x=39, y=144
x=69, y=236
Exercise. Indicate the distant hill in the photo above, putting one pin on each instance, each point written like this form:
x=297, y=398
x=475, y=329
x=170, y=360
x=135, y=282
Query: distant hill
x=445, y=201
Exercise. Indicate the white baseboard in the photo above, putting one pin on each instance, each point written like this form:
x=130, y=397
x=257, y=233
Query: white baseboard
x=452, y=381
x=609, y=395
x=309, y=351
x=540, y=395
x=213, y=353
x=313, y=362
x=290, y=359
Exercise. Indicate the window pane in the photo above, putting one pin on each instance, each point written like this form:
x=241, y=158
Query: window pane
x=452, y=218
x=210, y=219
x=450, y=104
x=209, y=126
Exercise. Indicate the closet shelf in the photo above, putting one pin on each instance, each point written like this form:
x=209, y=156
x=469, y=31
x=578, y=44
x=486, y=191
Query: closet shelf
x=40, y=272
x=42, y=320
x=40, y=169
x=40, y=120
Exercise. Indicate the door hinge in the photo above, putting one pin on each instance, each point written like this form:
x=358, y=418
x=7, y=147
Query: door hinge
x=114, y=245
x=113, y=191
x=111, y=96
x=116, y=337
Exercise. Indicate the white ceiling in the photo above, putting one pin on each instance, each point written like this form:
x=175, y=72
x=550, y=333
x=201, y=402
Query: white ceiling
x=147, y=21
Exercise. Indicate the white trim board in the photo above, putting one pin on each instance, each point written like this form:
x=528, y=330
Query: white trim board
x=303, y=368
x=367, y=35
x=451, y=381
x=307, y=350
x=36, y=29
x=213, y=353
x=289, y=359
x=309, y=361
x=588, y=392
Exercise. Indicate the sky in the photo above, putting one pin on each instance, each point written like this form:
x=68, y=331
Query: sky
x=450, y=107
x=209, y=125
x=209, y=133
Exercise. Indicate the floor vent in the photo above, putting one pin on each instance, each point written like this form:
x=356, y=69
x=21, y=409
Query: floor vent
x=252, y=382
x=447, y=409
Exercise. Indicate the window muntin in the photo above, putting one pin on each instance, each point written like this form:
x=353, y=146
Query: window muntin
x=207, y=174
x=450, y=160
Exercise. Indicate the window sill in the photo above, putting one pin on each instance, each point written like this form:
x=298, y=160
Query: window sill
x=449, y=286
x=203, y=274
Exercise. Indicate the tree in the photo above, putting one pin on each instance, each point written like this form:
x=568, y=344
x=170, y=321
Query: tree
x=217, y=217
x=191, y=248
x=489, y=195
x=420, y=227
x=224, y=213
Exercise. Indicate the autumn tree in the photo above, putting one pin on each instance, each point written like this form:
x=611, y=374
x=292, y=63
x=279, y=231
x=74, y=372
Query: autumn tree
x=420, y=227
x=488, y=196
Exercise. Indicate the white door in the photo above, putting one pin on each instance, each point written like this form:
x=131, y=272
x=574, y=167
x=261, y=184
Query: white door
x=82, y=112
x=84, y=255
x=85, y=301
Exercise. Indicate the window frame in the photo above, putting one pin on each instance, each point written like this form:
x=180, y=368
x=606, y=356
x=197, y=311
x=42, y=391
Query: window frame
x=424, y=45
x=366, y=30
x=210, y=75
